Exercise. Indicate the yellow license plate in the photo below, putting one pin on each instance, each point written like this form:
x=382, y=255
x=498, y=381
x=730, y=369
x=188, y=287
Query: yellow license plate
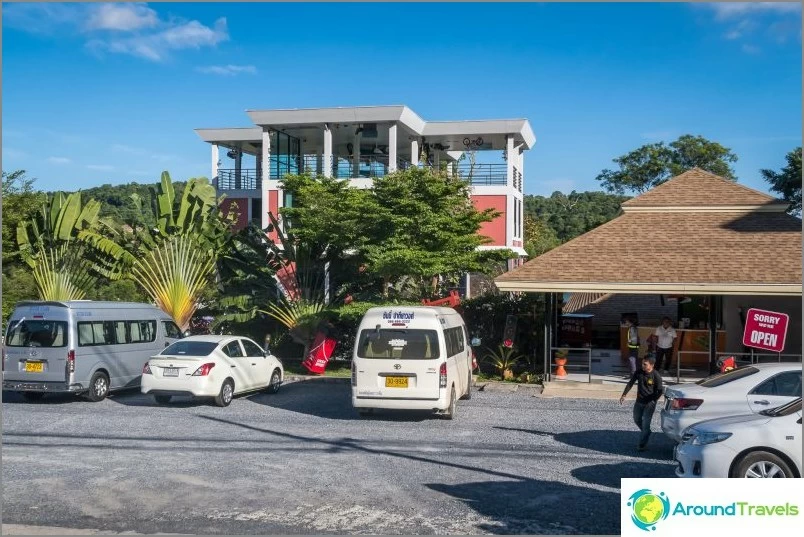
x=34, y=367
x=396, y=382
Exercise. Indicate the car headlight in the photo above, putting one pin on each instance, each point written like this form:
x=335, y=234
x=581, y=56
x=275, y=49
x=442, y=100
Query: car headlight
x=702, y=439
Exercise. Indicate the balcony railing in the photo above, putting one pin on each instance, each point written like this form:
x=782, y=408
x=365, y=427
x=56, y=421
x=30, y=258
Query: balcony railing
x=368, y=166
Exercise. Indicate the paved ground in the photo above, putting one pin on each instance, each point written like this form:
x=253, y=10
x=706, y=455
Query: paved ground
x=302, y=461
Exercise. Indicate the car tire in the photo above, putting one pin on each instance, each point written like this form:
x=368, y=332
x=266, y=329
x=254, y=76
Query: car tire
x=32, y=396
x=226, y=394
x=162, y=399
x=275, y=383
x=453, y=403
x=468, y=394
x=98, y=387
x=764, y=465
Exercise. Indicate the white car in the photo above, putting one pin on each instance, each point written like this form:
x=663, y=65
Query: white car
x=744, y=390
x=211, y=366
x=767, y=444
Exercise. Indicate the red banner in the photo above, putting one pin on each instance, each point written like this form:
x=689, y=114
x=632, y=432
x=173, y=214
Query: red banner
x=765, y=330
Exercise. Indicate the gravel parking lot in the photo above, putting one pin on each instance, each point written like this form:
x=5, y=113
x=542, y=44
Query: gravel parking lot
x=302, y=461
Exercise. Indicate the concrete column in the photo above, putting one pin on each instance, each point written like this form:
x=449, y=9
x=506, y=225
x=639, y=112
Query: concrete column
x=414, y=152
x=238, y=168
x=392, y=148
x=509, y=159
x=215, y=158
x=356, y=157
x=327, y=151
x=266, y=176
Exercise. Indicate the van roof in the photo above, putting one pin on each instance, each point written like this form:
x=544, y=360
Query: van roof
x=82, y=304
x=427, y=310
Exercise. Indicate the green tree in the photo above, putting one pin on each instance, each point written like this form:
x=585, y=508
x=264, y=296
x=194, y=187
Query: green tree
x=175, y=261
x=20, y=202
x=49, y=244
x=539, y=236
x=573, y=214
x=423, y=225
x=652, y=164
x=787, y=182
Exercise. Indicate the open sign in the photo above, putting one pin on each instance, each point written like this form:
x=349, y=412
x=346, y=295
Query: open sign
x=765, y=330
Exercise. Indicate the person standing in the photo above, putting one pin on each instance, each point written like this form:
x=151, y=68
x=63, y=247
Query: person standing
x=666, y=335
x=633, y=343
x=649, y=390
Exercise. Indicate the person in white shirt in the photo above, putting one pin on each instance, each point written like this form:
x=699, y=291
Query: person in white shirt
x=665, y=334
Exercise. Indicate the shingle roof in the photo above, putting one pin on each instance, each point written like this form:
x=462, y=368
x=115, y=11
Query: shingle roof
x=697, y=187
x=674, y=248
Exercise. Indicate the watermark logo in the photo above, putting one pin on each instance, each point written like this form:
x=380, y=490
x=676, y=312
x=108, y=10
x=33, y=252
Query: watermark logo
x=648, y=508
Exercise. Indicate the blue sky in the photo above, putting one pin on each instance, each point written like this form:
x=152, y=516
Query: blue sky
x=111, y=93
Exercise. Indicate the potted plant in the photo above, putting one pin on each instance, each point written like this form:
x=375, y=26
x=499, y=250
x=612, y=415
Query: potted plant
x=503, y=359
x=560, y=360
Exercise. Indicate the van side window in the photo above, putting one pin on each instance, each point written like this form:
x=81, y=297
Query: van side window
x=141, y=331
x=96, y=333
x=454, y=340
x=171, y=330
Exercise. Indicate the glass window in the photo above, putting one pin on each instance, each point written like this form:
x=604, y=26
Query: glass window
x=120, y=332
x=142, y=331
x=730, y=376
x=37, y=334
x=171, y=330
x=96, y=333
x=784, y=384
x=190, y=348
x=233, y=350
x=398, y=343
x=252, y=349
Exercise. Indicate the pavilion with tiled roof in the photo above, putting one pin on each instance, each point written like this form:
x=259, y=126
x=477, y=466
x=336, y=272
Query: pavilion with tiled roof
x=696, y=234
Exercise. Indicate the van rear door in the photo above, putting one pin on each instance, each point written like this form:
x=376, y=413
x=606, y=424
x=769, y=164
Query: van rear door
x=36, y=349
x=398, y=363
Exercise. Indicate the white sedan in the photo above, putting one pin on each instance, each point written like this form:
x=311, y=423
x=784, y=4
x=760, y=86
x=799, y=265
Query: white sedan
x=211, y=366
x=767, y=444
x=744, y=390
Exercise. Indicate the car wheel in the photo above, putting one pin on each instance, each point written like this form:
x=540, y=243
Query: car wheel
x=468, y=394
x=226, y=394
x=453, y=403
x=275, y=382
x=763, y=464
x=162, y=399
x=98, y=387
x=32, y=396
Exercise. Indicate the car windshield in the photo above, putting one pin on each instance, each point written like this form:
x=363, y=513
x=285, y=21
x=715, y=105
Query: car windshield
x=724, y=378
x=784, y=410
x=398, y=344
x=35, y=333
x=190, y=348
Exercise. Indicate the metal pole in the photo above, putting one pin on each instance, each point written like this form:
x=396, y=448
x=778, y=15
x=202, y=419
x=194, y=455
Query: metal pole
x=589, y=351
x=712, y=334
x=547, y=315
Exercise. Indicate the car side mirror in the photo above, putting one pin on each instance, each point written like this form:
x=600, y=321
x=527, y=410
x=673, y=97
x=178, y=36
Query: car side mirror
x=475, y=342
x=186, y=333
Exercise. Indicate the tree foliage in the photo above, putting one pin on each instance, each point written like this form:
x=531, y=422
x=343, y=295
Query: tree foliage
x=571, y=215
x=787, y=182
x=652, y=164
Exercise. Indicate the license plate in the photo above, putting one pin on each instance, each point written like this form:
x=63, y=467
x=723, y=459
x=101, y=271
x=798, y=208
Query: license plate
x=34, y=367
x=396, y=382
x=170, y=372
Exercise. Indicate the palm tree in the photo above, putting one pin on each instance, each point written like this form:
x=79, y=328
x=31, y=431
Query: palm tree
x=48, y=243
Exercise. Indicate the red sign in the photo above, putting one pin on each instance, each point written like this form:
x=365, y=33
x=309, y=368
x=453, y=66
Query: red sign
x=765, y=330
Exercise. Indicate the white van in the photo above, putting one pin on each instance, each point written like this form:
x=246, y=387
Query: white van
x=82, y=346
x=411, y=358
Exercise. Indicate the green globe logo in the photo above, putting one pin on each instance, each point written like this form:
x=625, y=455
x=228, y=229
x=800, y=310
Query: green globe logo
x=648, y=508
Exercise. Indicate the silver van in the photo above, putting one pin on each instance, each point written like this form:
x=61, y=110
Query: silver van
x=82, y=346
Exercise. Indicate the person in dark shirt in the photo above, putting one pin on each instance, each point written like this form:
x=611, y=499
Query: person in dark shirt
x=649, y=390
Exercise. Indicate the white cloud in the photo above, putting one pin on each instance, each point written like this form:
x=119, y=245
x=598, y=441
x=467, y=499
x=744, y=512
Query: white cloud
x=156, y=46
x=128, y=149
x=59, y=160
x=132, y=28
x=10, y=152
x=124, y=17
x=227, y=70
x=750, y=49
x=731, y=10
x=100, y=167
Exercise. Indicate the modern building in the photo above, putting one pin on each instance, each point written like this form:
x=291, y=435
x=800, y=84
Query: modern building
x=362, y=143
